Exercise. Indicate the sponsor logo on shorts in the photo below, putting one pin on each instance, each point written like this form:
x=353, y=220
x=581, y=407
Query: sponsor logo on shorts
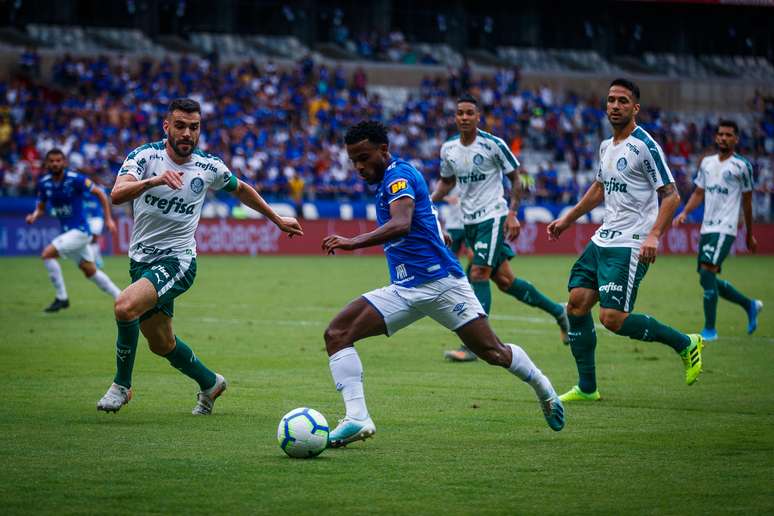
x=197, y=185
x=397, y=185
x=610, y=287
x=459, y=309
x=480, y=245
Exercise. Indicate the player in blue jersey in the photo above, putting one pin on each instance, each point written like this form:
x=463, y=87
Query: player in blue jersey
x=64, y=190
x=96, y=220
x=426, y=280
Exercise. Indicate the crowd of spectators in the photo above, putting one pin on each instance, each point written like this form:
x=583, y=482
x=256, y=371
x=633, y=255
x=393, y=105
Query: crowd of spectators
x=281, y=129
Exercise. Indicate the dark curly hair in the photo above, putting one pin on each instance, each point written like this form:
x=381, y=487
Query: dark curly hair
x=184, y=105
x=371, y=130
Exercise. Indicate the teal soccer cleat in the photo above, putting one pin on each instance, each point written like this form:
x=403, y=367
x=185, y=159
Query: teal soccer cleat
x=350, y=430
x=553, y=410
x=709, y=335
x=752, y=315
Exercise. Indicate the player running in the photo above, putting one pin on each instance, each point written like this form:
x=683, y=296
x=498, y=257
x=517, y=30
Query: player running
x=478, y=161
x=632, y=175
x=65, y=191
x=724, y=181
x=167, y=182
x=426, y=279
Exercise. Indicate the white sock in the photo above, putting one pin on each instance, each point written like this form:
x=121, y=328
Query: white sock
x=347, y=372
x=96, y=251
x=523, y=367
x=103, y=282
x=55, y=275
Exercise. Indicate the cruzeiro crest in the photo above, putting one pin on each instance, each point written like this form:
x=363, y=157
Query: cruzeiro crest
x=621, y=165
x=478, y=159
x=197, y=185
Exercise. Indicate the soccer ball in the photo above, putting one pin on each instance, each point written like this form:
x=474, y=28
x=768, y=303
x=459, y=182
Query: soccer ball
x=303, y=433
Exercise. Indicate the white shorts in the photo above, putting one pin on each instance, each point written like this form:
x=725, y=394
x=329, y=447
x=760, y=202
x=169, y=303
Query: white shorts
x=74, y=244
x=96, y=225
x=449, y=301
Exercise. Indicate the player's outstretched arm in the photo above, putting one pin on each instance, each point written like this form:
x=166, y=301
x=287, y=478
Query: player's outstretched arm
x=401, y=211
x=128, y=187
x=694, y=201
x=591, y=199
x=752, y=244
x=103, y=201
x=249, y=197
x=670, y=200
x=443, y=187
x=40, y=209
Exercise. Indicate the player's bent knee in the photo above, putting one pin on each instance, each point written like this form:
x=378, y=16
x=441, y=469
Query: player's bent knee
x=125, y=310
x=612, y=319
x=336, y=339
x=478, y=273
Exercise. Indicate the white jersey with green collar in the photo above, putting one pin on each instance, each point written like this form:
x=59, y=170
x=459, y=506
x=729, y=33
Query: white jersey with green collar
x=630, y=172
x=723, y=182
x=479, y=168
x=165, y=220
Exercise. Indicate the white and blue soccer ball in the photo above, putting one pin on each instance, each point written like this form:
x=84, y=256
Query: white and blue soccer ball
x=303, y=433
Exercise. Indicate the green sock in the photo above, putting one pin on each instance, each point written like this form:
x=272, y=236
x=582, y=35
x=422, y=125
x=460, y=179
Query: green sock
x=709, y=283
x=184, y=359
x=727, y=291
x=526, y=292
x=646, y=328
x=583, y=341
x=484, y=293
x=126, y=349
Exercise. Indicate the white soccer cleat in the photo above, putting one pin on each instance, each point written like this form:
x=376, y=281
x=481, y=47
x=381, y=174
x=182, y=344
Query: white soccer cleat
x=116, y=397
x=206, y=399
x=350, y=430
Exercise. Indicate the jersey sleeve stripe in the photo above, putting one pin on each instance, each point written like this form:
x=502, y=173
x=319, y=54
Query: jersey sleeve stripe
x=503, y=148
x=749, y=167
x=398, y=197
x=651, y=145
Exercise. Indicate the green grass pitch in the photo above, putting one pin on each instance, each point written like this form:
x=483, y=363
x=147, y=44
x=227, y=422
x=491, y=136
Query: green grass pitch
x=451, y=438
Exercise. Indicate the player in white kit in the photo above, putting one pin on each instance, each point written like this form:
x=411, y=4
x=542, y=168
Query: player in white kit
x=632, y=175
x=724, y=182
x=477, y=162
x=167, y=182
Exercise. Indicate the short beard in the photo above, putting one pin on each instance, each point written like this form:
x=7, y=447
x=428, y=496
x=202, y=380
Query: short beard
x=173, y=144
x=620, y=125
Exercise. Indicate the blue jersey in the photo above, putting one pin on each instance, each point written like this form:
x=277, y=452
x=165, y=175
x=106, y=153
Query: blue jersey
x=65, y=197
x=420, y=256
x=92, y=208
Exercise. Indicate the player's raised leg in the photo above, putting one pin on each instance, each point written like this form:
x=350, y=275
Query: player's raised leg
x=479, y=338
x=157, y=329
x=526, y=292
x=583, y=343
x=134, y=300
x=99, y=278
x=49, y=257
x=648, y=329
x=358, y=320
